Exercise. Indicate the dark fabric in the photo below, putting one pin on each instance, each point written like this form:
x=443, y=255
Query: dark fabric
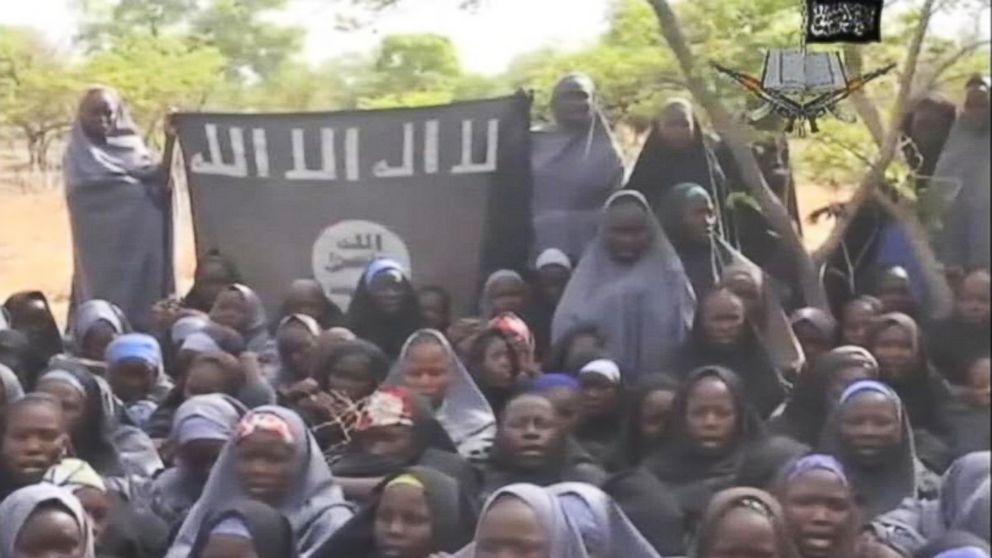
x=557, y=359
x=17, y=353
x=574, y=464
x=761, y=465
x=330, y=314
x=387, y=332
x=922, y=153
x=748, y=359
x=270, y=530
x=453, y=515
x=197, y=298
x=132, y=533
x=46, y=341
x=631, y=448
x=954, y=344
x=759, y=502
x=950, y=541
x=652, y=508
x=694, y=474
x=970, y=428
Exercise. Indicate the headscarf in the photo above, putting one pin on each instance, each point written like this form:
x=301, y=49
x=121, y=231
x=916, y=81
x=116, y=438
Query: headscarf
x=269, y=530
x=574, y=171
x=824, y=324
x=961, y=482
x=599, y=522
x=465, y=413
x=961, y=183
x=314, y=505
x=563, y=541
x=17, y=508
x=693, y=474
x=548, y=382
x=196, y=298
x=632, y=449
x=644, y=310
x=880, y=488
x=206, y=417
x=17, y=353
x=46, y=343
x=807, y=409
x=11, y=385
x=553, y=256
x=761, y=465
x=975, y=516
x=485, y=302
x=848, y=538
x=92, y=312
x=751, y=499
x=256, y=333
x=659, y=167
x=186, y=326
x=144, y=348
x=330, y=314
x=605, y=368
x=922, y=390
x=452, y=511
x=365, y=320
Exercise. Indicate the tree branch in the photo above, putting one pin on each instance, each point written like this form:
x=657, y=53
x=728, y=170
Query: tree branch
x=947, y=64
x=866, y=108
x=736, y=139
x=887, y=150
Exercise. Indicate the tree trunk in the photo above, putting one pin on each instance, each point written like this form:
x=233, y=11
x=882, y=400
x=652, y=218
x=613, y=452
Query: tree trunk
x=736, y=139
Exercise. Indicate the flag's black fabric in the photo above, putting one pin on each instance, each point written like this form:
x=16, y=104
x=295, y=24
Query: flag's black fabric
x=843, y=21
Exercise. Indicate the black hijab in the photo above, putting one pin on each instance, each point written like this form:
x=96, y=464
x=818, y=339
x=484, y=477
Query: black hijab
x=805, y=413
x=46, y=340
x=761, y=465
x=557, y=360
x=747, y=358
x=388, y=332
x=329, y=313
x=452, y=508
x=197, y=297
x=271, y=533
x=632, y=448
x=17, y=354
x=693, y=474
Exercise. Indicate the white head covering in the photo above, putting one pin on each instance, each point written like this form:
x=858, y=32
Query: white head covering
x=257, y=336
x=604, y=528
x=11, y=385
x=186, y=326
x=604, y=367
x=306, y=321
x=553, y=256
x=315, y=505
x=644, y=310
x=465, y=413
x=18, y=507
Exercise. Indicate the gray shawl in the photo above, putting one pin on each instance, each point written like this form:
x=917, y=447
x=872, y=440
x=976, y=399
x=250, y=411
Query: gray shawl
x=573, y=174
x=961, y=183
x=603, y=527
x=315, y=505
x=18, y=507
x=644, y=310
x=121, y=225
x=465, y=413
x=90, y=313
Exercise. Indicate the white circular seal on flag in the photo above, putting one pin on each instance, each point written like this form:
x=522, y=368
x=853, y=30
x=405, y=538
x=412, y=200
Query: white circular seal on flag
x=343, y=251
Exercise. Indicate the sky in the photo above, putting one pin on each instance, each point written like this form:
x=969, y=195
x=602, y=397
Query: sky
x=487, y=38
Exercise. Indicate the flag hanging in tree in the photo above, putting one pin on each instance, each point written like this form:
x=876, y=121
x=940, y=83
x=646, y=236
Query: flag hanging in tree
x=843, y=21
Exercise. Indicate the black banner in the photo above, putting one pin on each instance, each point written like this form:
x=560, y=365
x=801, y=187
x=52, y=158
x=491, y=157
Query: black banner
x=843, y=21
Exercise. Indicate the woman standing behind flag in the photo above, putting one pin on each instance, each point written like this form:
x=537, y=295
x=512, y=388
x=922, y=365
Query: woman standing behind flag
x=119, y=209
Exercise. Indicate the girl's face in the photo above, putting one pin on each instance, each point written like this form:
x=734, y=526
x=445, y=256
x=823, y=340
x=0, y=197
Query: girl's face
x=530, y=432
x=711, y=415
x=820, y=513
x=296, y=349
x=895, y=349
x=403, y=526
x=427, y=372
x=386, y=292
x=508, y=295
x=656, y=411
x=973, y=298
x=228, y=546
x=33, y=441
x=723, y=319
x=977, y=392
x=231, y=310
x=628, y=235
x=396, y=441
x=895, y=294
x=843, y=379
x=73, y=403
x=510, y=528
x=870, y=427
x=567, y=403
x=698, y=220
x=551, y=282
x=97, y=506
x=266, y=466
x=812, y=340
x=497, y=365
x=600, y=396
x=743, y=533
x=676, y=129
x=96, y=340
x=98, y=115
x=198, y=457
x=748, y=291
x=205, y=377
x=51, y=532
x=132, y=380
x=434, y=309
x=352, y=375
x=855, y=320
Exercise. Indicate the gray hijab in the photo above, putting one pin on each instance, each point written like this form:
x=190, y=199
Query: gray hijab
x=10, y=384
x=644, y=310
x=961, y=183
x=602, y=526
x=90, y=313
x=485, y=302
x=574, y=171
x=315, y=505
x=257, y=336
x=18, y=507
x=565, y=542
x=465, y=413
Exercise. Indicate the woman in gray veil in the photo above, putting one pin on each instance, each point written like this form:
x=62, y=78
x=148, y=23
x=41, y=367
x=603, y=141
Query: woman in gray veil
x=631, y=285
x=119, y=210
x=576, y=164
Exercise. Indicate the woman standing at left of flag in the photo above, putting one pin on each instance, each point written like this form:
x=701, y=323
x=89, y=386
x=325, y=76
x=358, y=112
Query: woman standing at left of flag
x=120, y=205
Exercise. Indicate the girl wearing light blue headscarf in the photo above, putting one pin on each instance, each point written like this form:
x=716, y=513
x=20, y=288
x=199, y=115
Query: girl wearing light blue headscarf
x=139, y=395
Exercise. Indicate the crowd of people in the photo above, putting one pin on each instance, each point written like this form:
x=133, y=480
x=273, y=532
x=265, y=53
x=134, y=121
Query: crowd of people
x=652, y=385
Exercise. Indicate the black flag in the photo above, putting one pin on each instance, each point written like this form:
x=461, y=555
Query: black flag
x=843, y=21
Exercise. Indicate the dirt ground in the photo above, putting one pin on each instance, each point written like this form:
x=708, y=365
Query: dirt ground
x=36, y=253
